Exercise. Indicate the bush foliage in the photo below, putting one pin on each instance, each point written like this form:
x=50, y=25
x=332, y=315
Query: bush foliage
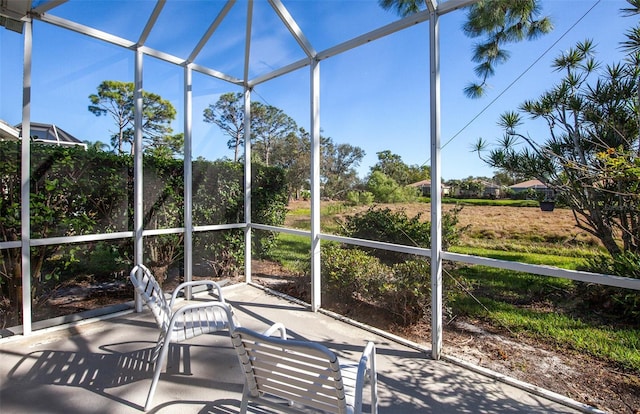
x=402, y=289
x=75, y=191
x=397, y=282
x=613, y=300
x=386, y=190
x=386, y=225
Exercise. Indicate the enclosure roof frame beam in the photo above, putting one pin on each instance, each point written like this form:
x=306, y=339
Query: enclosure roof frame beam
x=211, y=30
x=293, y=27
x=151, y=22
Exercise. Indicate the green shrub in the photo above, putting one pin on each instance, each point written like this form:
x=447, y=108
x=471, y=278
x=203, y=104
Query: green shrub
x=386, y=190
x=348, y=273
x=353, y=198
x=103, y=260
x=219, y=199
x=407, y=292
x=76, y=191
x=451, y=231
x=385, y=225
x=403, y=290
x=609, y=299
x=269, y=205
x=356, y=198
x=222, y=251
x=72, y=192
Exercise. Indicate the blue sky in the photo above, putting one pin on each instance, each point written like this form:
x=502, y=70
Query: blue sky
x=375, y=97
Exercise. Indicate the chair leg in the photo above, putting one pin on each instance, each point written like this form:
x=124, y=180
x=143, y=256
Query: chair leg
x=245, y=400
x=156, y=373
x=374, y=390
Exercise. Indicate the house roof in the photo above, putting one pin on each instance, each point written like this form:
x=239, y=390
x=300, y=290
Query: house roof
x=422, y=183
x=8, y=132
x=489, y=184
x=425, y=183
x=529, y=184
x=51, y=134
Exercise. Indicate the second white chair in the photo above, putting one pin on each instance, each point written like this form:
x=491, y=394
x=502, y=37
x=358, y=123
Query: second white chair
x=302, y=375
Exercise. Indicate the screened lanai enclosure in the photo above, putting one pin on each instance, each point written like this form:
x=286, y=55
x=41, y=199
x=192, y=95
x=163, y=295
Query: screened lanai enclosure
x=193, y=194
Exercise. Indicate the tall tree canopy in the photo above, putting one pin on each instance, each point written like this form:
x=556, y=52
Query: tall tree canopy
x=268, y=126
x=228, y=114
x=278, y=141
x=116, y=99
x=338, y=167
x=293, y=154
x=392, y=166
x=496, y=23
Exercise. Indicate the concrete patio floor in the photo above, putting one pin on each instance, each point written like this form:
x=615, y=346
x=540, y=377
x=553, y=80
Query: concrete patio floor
x=101, y=367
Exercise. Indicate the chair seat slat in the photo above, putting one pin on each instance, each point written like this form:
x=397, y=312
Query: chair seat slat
x=303, y=382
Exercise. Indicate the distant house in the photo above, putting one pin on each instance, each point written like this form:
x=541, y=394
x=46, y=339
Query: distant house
x=425, y=188
x=477, y=188
x=534, y=185
x=491, y=190
x=42, y=133
x=51, y=134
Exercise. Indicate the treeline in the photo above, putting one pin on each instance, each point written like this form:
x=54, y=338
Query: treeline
x=75, y=192
x=276, y=140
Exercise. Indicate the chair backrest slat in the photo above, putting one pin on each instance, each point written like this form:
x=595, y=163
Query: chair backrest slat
x=297, y=359
x=320, y=402
x=282, y=372
x=290, y=366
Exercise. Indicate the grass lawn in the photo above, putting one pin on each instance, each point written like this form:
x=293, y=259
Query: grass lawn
x=483, y=202
x=544, y=308
x=292, y=251
x=557, y=260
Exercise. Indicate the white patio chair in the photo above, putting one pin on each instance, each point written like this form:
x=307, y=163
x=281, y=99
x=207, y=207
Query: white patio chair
x=181, y=323
x=295, y=376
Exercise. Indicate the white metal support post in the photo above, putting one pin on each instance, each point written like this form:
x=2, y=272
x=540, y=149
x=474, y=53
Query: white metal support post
x=436, y=195
x=25, y=178
x=247, y=184
x=247, y=146
x=315, y=185
x=188, y=179
x=137, y=169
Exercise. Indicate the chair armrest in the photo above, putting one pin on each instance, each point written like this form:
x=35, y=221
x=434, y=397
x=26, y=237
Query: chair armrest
x=133, y=274
x=366, y=365
x=134, y=271
x=278, y=326
x=213, y=286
